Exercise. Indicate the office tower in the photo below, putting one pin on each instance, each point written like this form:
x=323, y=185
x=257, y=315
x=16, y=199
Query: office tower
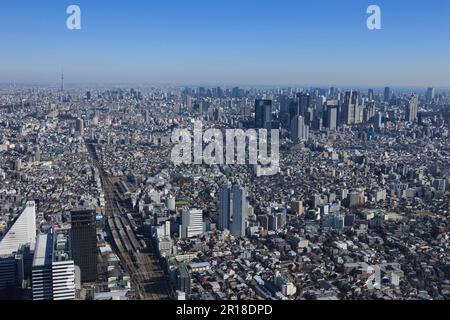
x=79, y=126
x=263, y=114
x=83, y=238
x=332, y=115
x=53, y=272
x=370, y=95
x=62, y=82
x=191, y=223
x=224, y=207
x=387, y=94
x=369, y=111
x=12, y=271
x=183, y=279
x=412, y=108
x=188, y=102
x=22, y=231
x=378, y=120
x=351, y=108
x=430, y=94
x=299, y=130
x=304, y=101
x=294, y=112
x=239, y=210
x=171, y=203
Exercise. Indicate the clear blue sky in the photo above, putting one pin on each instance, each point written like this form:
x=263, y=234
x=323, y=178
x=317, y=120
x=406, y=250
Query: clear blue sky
x=227, y=42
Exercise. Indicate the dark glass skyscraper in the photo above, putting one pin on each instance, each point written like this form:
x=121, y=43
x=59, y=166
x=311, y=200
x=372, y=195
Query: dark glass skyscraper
x=387, y=94
x=263, y=114
x=84, y=243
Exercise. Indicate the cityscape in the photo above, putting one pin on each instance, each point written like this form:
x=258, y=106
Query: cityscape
x=335, y=192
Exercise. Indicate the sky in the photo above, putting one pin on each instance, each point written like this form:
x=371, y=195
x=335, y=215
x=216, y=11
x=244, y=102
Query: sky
x=228, y=42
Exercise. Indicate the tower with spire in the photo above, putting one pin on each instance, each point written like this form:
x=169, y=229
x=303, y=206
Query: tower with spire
x=62, y=81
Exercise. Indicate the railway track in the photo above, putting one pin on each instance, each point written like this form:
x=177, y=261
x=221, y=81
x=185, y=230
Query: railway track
x=147, y=279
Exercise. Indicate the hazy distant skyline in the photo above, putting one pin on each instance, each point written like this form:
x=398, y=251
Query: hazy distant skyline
x=265, y=42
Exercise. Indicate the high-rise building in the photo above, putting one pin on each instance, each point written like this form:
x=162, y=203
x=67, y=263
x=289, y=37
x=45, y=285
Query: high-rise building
x=21, y=232
x=240, y=211
x=53, y=272
x=263, y=114
x=191, y=223
x=304, y=101
x=188, y=102
x=369, y=111
x=430, y=94
x=83, y=238
x=412, y=108
x=11, y=271
x=370, y=95
x=224, y=212
x=299, y=130
x=79, y=126
x=387, y=94
x=351, y=109
x=332, y=115
x=183, y=279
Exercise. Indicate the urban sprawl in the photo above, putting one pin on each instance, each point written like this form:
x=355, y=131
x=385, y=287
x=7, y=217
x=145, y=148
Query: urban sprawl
x=93, y=208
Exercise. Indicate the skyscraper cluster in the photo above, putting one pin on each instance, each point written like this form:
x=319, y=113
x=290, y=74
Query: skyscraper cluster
x=233, y=209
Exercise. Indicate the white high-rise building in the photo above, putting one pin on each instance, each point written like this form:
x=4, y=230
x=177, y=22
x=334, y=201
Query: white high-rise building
x=22, y=232
x=191, y=223
x=53, y=272
x=239, y=210
x=412, y=108
x=299, y=130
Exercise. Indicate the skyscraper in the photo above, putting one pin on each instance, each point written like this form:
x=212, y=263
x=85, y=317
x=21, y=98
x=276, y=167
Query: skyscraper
x=299, y=130
x=387, y=94
x=240, y=211
x=351, y=109
x=263, y=114
x=22, y=231
x=370, y=95
x=53, y=271
x=191, y=223
x=430, y=94
x=83, y=240
x=224, y=207
x=332, y=115
x=304, y=101
x=412, y=108
x=79, y=126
